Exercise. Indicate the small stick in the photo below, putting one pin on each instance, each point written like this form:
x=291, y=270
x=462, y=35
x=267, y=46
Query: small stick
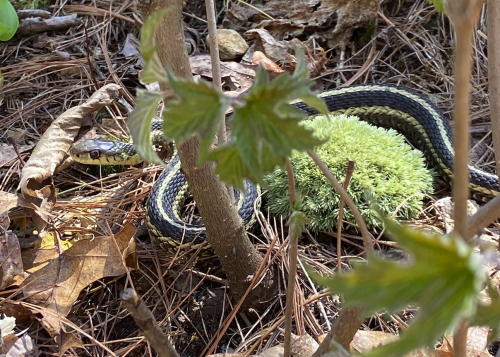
x=14, y=145
x=147, y=323
x=350, y=170
x=350, y=203
x=216, y=75
x=292, y=270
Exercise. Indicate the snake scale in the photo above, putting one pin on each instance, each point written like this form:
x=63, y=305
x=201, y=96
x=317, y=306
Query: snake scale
x=402, y=109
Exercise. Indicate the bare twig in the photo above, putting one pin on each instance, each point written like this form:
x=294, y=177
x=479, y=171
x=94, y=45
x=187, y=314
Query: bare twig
x=147, y=323
x=216, y=74
x=350, y=203
x=292, y=271
x=463, y=15
x=36, y=24
x=350, y=170
x=484, y=216
x=343, y=329
x=494, y=75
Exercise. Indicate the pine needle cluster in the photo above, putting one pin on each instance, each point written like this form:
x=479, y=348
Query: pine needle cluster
x=388, y=172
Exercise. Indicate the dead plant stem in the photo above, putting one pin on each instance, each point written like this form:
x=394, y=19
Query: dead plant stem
x=345, y=196
x=292, y=270
x=216, y=74
x=350, y=170
x=494, y=75
x=463, y=14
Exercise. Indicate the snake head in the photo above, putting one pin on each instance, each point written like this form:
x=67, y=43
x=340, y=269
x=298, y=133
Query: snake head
x=104, y=152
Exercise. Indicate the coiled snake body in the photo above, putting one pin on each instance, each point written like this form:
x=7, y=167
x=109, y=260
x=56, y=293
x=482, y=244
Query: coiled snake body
x=382, y=105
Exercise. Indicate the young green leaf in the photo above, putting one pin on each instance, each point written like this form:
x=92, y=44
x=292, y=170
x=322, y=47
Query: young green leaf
x=266, y=127
x=148, y=34
x=443, y=277
x=297, y=223
x=439, y=4
x=9, y=22
x=489, y=314
x=153, y=70
x=140, y=124
x=198, y=111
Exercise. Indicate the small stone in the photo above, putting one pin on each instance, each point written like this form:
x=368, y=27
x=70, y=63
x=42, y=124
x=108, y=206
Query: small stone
x=231, y=44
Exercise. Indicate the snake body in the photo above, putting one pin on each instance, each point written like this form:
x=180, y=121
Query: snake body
x=388, y=106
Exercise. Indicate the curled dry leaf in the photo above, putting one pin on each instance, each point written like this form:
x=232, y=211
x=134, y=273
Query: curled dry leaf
x=10, y=256
x=10, y=251
x=264, y=42
x=55, y=280
x=57, y=139
x=36, y=176
x=237, y=76
x=272, y=68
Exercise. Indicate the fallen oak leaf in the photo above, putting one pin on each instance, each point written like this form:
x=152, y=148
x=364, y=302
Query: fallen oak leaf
x=55, y=280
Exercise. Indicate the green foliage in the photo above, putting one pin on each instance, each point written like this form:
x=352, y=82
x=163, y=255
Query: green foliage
x=9, y=22
x=140, y=124
x=265, y=127
x=31, y=4
x=207, y=106
x=489, y=314
x=153, y=71
x=439, y=4
x=297, y=223
x=443, y=277
x=385, y=166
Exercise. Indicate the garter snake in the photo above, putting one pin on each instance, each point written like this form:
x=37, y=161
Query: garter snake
x=408, y=112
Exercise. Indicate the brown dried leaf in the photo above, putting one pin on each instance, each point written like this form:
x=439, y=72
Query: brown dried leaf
x=237, y=76
x=16, y=310
x=69, y=340
x=10, y=258
x=56, y=141
x=264, y=42
x=476, y=343
x=272, y=68
x=56, y=280
x=292, y=18
x=36, y=176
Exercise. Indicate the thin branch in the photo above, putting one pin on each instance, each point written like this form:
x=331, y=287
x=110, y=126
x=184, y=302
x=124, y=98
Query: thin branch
x=147, y=323
x=292, y=270
x=216, y=74
x=494, y=75
x=343, y=330
x=483, y=217
x=463, y=14
x=350, y=170
x=350, y=203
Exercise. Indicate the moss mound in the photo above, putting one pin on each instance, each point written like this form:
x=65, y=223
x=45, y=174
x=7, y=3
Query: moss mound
x=387, y=170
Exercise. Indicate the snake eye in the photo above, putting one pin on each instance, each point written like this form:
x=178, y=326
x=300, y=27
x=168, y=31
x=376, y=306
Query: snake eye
x=95, y=154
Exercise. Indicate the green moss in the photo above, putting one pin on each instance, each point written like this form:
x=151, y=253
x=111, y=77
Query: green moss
x=367, y=36
x=31, y=4
x=387, y=170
